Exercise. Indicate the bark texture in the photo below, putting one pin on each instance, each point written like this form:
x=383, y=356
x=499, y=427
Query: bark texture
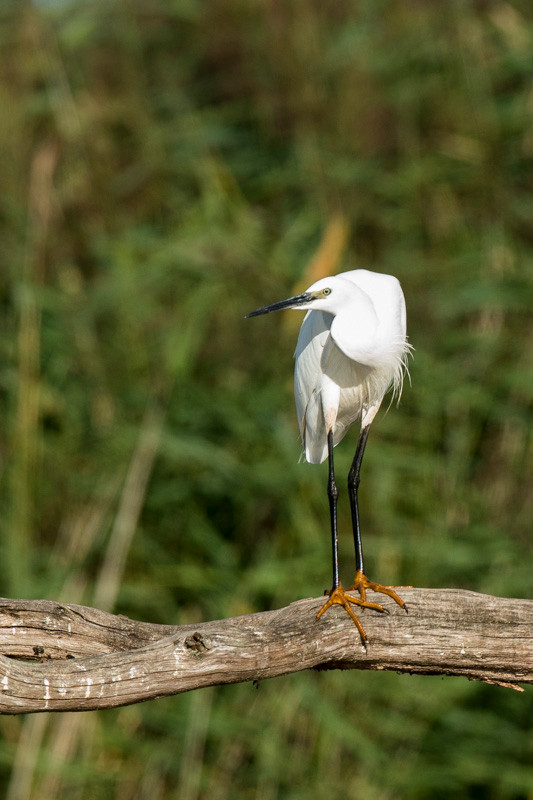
x=57, y=657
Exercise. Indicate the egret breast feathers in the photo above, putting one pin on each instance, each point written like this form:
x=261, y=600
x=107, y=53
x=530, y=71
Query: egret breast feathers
x=346, y=362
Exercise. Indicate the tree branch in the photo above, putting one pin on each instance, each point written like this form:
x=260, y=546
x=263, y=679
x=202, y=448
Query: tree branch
x=83, y=658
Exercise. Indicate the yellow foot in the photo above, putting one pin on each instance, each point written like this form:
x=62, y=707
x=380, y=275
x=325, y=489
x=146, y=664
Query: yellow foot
x=340, y=597
x=361, y=584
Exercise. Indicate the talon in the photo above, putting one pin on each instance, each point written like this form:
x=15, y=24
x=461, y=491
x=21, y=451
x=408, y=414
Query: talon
x=340, y=597
x=361, y=584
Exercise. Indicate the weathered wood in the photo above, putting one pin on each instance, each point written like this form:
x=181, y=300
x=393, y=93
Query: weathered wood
x=86, y=659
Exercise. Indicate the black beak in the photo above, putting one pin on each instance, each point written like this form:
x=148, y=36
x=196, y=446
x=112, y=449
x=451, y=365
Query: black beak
x=290, y=302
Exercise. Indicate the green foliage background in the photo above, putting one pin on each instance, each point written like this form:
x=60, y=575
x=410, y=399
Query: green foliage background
x=166, y=166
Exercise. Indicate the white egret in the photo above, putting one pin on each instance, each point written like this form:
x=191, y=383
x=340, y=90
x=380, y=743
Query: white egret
x=351, y=350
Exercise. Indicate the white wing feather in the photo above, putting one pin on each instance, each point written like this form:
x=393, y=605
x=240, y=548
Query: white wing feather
x=312, y=339
x=320, y=363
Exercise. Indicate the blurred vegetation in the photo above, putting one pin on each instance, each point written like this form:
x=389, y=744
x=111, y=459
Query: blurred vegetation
x=166, y=166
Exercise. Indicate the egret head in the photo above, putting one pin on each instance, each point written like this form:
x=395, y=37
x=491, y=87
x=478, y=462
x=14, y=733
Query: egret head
x=324, y=295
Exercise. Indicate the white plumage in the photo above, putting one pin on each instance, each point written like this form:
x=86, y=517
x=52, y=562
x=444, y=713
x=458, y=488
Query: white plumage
x=348, y=355
x=352, y=348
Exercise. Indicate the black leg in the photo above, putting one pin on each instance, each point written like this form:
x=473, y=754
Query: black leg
x=333, y=494
x=353, y=485
x=337, y=595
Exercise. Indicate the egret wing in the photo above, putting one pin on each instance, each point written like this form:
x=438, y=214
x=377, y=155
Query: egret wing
x=312, y=339
x=352, y=379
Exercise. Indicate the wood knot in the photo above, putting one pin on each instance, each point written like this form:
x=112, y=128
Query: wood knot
x=196, y=643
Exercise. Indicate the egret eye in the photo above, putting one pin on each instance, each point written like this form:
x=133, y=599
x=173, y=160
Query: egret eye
x=325, y=292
